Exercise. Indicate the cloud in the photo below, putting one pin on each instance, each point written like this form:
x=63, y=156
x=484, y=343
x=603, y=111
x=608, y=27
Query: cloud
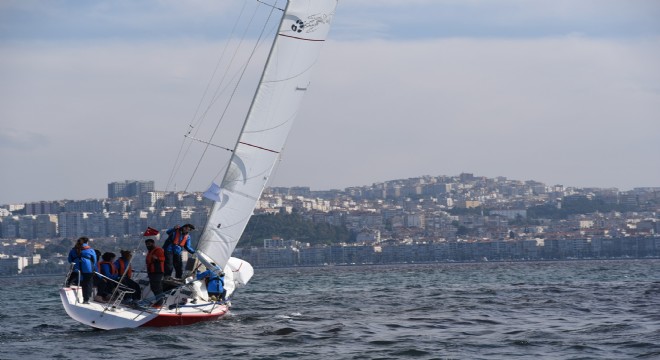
x=567, y=110
x=131, y=21
x=14, y=139
x=545, y=92
x=495, y=19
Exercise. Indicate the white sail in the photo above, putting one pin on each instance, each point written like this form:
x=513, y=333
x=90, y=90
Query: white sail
x=303, y=29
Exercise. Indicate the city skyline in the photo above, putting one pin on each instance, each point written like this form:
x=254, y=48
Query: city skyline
x=136, y=184
x=426, y=207
x=556, y=92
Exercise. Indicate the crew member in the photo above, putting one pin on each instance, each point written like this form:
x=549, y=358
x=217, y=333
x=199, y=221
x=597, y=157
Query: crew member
x=178, y=239
x=84, y=259
x=125, y=271
x=107, y=282
x=155, y=266
x=215, y=282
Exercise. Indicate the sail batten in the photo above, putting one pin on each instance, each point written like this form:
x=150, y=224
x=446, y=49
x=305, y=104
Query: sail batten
x=302, y=31
x=260, y=147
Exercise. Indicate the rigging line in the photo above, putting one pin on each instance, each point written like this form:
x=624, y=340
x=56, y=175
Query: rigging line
x=181, y=154
x=220, y=91
x=209, y=143
x=274, y=31
x=232, y=95
x=273, y=6
x=122, y=275
x=261, y=43
x=217, y=65
x=177, y=164
x=247, y=27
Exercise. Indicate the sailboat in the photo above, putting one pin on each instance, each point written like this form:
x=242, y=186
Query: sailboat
x=302, y=30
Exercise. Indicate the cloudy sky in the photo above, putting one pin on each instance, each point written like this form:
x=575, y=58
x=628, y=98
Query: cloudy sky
x=562, y=92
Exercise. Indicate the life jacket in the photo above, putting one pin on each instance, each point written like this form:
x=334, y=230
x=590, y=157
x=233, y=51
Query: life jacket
x=122, y=267
x=113, y=269
x=151, y=265
x=180, y=240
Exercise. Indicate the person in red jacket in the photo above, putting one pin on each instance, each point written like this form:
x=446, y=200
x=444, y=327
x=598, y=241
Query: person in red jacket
x=155, y=266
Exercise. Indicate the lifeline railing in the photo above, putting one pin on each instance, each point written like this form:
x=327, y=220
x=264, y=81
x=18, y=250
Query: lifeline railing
x=118, y=293
x=67, y=279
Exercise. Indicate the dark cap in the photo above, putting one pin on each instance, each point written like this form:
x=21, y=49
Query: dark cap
x=189, y=226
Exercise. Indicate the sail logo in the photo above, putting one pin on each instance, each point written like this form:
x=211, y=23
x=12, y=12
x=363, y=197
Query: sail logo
x=298, y=26
x=311, y=24
x=318, y=19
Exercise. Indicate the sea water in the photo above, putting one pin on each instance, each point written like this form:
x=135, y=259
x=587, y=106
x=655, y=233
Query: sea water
x=489, y=310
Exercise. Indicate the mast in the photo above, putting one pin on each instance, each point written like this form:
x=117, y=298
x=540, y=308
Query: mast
x=285, y=78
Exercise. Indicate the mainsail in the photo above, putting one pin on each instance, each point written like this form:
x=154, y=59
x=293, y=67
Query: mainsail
x=302, y=31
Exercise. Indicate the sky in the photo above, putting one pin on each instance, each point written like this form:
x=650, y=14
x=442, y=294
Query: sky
x=562, y=92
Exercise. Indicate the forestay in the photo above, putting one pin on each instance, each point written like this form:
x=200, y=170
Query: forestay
x=302, y=31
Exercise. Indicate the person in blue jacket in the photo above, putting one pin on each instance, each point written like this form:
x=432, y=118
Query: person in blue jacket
x=215, y=285
x=178, y=238
x=83, y=258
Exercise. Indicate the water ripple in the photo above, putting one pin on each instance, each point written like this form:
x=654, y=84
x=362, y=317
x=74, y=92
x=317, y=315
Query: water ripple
x=558, y=310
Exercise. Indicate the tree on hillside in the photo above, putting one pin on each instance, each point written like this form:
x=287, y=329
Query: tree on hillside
x=292, y=227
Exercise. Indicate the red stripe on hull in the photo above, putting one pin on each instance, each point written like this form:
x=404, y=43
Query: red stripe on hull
x=178, y=319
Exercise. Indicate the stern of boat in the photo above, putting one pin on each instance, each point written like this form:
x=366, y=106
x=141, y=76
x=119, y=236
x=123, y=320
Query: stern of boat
x=102, y=315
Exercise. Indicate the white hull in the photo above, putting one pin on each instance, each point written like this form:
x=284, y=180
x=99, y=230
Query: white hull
x=108, y=317
x=182, y=305
x=96, y=315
